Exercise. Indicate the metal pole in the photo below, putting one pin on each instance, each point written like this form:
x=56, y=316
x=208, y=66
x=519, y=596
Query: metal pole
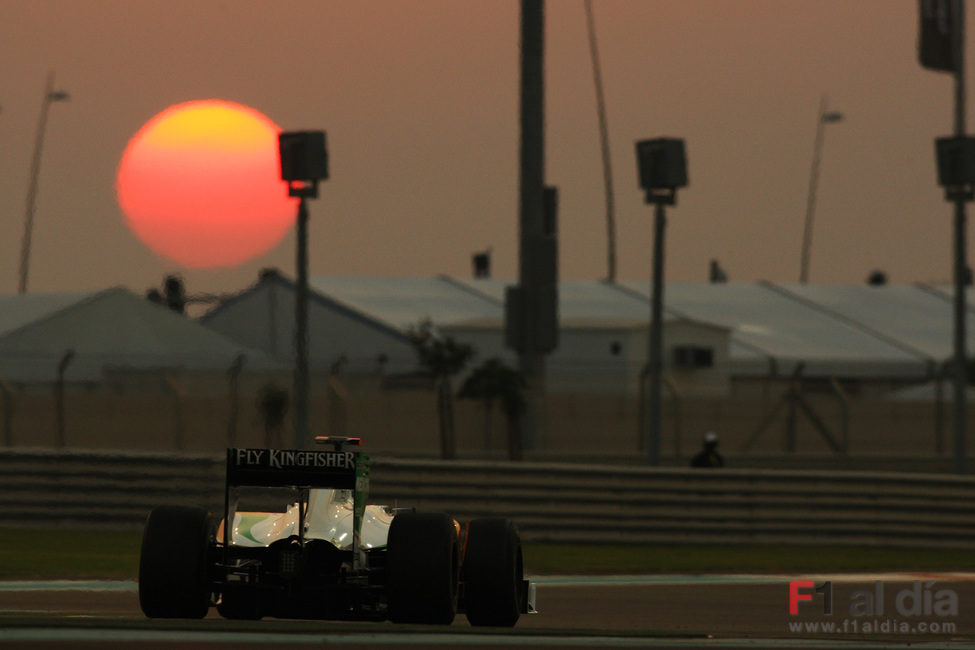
x=531, y=208
x=960, y=270
x=59, y=439
x=301, y=331
x=604, y=147
x=811, y=197
x=960, y=378
x=656, y=336
x=35, y=169
x=8, y=416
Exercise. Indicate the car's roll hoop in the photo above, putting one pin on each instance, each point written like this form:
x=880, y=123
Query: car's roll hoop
x=338, y=441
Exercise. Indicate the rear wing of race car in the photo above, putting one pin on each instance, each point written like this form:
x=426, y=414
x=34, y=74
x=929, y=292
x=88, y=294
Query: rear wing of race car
x=301, y=469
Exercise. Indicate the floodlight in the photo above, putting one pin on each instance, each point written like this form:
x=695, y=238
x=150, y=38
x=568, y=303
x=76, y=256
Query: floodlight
x=662, y=164
x=304, y=161
x=956, y=166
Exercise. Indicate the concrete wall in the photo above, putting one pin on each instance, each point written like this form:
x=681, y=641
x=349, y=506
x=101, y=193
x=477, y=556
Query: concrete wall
x=548, y=501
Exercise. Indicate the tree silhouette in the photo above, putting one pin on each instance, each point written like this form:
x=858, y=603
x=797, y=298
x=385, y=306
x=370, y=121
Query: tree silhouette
x=442, y=358
x=272, y=402
x=495, y=381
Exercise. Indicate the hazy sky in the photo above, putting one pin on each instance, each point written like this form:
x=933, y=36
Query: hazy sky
x=419, y=99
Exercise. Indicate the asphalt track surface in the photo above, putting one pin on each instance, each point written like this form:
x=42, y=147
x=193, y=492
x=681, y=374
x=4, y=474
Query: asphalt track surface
x=744, y=611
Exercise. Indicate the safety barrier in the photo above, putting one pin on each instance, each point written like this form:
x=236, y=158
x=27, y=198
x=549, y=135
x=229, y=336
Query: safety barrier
x=556, y=502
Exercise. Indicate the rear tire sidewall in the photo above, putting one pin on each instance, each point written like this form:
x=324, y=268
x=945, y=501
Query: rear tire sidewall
x=422, y=566
x=173, y=569
x=492, y=573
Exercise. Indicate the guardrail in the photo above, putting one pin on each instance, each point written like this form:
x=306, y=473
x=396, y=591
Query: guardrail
x=555, y=502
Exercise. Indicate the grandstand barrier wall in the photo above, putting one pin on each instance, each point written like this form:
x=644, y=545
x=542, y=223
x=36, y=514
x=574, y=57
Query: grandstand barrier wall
x=549, y=501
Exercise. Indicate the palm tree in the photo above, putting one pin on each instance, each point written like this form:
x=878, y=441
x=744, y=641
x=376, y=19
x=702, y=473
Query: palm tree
x=492, y=381
x=442, y=357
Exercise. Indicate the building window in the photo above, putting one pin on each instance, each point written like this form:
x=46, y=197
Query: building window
x=693, y=356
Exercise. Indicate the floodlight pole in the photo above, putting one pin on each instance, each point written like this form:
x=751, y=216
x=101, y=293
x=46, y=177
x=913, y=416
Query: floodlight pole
x=304, y=162
x=960, y=266
x=50, y=96
x=656, y=335
x=662, y=165
x=825, y=117
x=301, y=329
x=604, y=147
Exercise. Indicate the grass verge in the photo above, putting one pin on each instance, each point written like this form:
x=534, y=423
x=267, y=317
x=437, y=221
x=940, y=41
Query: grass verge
x=110, y=555
x=68, y=554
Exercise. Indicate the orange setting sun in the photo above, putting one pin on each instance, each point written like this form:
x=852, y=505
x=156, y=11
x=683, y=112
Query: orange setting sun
x=200, y=184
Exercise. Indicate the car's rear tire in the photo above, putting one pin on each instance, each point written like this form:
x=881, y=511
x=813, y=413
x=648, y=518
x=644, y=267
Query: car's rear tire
x=492, y=572
x=173, y=563
x=422, y=566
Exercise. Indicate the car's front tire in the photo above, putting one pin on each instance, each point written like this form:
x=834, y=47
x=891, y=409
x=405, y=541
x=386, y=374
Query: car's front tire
x=173, y=563
x=492, y=572
x=422, y=567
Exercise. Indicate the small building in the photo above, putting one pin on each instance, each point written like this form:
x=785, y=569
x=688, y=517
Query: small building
x=606, y=356
x=604, y=335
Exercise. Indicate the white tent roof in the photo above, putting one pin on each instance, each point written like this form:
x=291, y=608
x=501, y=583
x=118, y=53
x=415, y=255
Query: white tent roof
x=918, y=320
x=405, y=302
x=835, y=331
x=18, y=310
x=764, y=320
x=770, y=330
x=114, y=328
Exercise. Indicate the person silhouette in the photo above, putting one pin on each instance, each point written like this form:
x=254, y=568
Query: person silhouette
x=708, y=456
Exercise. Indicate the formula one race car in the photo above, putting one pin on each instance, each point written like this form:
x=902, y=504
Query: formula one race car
x=328, y=555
